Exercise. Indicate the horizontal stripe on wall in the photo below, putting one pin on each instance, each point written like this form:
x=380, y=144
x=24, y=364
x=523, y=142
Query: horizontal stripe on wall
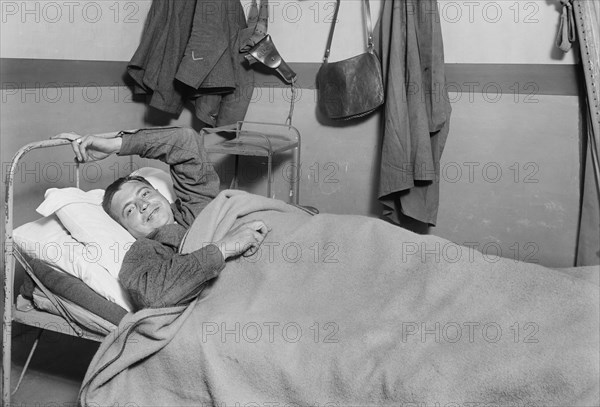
x=525, y=79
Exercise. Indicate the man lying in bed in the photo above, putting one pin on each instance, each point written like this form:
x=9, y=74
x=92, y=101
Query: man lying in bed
x=153, y=272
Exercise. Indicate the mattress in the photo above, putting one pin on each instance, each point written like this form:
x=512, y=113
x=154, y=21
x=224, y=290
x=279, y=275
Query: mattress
x=87, y=306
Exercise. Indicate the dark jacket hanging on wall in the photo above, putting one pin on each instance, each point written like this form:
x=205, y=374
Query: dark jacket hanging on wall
x=189, y=51
x=417, y=111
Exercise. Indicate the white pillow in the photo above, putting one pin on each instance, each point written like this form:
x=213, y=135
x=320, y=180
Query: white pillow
x=82, y=215
x=47, y=240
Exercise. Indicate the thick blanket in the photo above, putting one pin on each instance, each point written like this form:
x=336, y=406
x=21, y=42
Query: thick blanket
x=351, y=311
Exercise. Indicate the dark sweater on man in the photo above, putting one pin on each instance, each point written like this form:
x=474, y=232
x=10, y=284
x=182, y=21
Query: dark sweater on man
x=153, y=272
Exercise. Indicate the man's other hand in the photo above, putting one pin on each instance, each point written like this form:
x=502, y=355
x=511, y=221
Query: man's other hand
x=244, y=239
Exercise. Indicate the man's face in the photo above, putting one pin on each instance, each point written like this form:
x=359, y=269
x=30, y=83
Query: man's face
x=140, y=208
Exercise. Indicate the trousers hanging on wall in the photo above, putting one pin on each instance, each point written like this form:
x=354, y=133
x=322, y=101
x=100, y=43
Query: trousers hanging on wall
x=417, y=110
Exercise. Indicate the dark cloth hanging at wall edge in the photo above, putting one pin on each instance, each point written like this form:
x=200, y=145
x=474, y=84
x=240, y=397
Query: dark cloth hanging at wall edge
x=585, y=16
x=408, y=39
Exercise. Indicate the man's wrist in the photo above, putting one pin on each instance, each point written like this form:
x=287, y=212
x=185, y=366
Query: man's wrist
x=118, y=142
x=222, y=250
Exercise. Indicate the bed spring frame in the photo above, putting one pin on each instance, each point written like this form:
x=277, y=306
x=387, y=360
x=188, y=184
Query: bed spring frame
x=40, y=320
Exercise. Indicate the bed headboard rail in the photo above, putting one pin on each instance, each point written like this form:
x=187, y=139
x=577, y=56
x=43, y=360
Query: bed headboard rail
x=10, y=176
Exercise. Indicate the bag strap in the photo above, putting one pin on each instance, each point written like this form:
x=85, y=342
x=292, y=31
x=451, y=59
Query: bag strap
x=367, y=17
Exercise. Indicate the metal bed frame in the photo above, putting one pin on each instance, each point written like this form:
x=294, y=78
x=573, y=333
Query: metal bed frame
x=38, y=319
x=246, y=142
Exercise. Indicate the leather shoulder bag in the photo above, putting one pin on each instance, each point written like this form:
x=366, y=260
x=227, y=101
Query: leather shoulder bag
x=353, y=87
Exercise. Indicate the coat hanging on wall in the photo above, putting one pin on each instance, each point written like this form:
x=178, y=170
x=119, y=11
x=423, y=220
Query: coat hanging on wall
x=190, y=52
x=408, y=40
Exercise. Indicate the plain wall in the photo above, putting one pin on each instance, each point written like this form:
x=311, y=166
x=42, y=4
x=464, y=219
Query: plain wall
x=510, y=171
x=483, y=31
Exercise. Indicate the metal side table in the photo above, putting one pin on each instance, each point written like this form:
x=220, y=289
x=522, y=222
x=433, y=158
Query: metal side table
x=260, y=139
